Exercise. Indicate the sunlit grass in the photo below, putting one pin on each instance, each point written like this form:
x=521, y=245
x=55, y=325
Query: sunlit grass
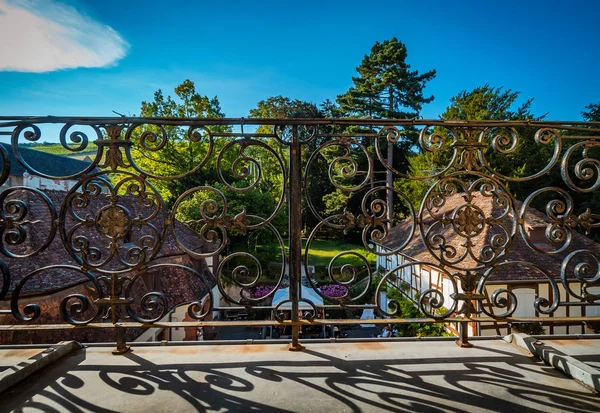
x=321, y=252
x=58, y=149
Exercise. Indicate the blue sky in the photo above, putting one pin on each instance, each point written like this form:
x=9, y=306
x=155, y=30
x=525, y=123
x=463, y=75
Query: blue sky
x=246, y=52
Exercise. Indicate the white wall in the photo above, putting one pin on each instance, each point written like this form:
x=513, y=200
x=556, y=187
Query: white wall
x=37, y=182
x=384, y=301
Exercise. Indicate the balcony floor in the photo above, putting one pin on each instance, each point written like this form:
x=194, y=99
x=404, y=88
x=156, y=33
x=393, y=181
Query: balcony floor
x=343, y=377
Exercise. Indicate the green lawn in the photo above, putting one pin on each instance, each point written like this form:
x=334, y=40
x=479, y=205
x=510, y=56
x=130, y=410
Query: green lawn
x=322, y=252
x=58, y=149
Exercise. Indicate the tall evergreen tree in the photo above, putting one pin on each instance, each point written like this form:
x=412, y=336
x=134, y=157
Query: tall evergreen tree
x=386, y=86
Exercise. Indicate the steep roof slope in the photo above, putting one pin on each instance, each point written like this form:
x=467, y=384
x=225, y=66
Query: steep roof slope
x=56, y=252
x=442, y=220
x=178, y=285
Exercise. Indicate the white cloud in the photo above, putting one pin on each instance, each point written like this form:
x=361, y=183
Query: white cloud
x=43, y=36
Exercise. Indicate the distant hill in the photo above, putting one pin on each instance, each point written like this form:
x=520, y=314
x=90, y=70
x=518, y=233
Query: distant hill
x=58, y=149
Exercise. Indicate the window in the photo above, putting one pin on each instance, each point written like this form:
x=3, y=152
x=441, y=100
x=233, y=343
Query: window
x=525, y=300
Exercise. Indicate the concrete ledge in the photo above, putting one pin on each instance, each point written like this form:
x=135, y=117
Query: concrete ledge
x=44, y=358
x=563, y=362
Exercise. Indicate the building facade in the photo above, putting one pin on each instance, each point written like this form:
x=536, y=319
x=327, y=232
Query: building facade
x=541, y=276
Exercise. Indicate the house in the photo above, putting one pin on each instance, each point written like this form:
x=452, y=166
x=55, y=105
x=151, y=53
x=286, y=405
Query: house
x=48, y=288
x=524, y=281
x=46, y=163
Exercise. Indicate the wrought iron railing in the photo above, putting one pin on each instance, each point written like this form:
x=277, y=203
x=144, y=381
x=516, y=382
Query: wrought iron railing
x=118, y=226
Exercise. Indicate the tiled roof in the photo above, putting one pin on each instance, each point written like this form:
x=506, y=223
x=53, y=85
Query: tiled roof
x=517, y=251
x=47, y=288
x=56, y=252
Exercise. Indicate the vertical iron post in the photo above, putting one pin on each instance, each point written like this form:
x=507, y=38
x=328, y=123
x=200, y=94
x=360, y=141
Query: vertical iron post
x=122, y=346
x=463, y=334
x=295, y=226
x=389, y=182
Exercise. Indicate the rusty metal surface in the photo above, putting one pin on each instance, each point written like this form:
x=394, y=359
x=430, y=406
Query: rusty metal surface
x=300, y=322
x=352, y=150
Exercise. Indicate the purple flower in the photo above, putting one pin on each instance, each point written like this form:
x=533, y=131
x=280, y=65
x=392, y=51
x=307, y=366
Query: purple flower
x=334, y=290
x=261, y=291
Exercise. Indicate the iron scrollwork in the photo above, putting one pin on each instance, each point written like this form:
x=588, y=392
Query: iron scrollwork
x=121, y=213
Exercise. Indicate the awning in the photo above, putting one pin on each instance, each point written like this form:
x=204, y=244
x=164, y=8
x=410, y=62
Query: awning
x=368, y=314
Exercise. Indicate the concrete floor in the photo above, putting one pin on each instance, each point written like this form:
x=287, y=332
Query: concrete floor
x=494, y=376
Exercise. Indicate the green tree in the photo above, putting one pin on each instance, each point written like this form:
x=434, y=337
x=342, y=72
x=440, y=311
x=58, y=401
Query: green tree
x=386, y=87
x=281, y=107
x=259, y=242
x=185, y=149
x=488, y=103
x=419, y=165
x=592, y=114
x=591, y=200
x=284, y=108
x=182, y=151
x=484, y=103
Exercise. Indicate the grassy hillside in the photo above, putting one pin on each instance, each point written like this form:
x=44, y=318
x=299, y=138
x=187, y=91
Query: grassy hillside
x=58, y=149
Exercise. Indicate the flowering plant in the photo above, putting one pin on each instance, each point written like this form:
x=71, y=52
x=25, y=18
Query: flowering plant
x=260, y=291
x=334, y=290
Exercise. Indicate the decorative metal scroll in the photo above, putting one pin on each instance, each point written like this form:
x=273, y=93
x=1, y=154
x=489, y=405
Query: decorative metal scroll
x=157, y=197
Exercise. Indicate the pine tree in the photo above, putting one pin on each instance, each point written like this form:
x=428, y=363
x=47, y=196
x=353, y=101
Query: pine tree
x=387, y=87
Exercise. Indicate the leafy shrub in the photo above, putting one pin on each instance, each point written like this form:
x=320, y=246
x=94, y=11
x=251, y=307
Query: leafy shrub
x=408, y=309
x=531, y=329
x=266, y=253
x=320, y=274
x=404, y=286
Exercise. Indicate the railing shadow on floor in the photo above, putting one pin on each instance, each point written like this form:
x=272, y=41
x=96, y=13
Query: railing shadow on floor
x=495, y=380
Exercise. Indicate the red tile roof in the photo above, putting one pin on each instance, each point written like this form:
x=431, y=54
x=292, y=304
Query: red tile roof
x=518, y=250
x=47, y=288
x=56, y=252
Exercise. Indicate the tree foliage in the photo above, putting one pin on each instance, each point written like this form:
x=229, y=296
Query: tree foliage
x=488, y=103
x=592, y=112
x=182, y=151
x=483, y=103
x=259, y=242
x=285, y=108
x=386, y=87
